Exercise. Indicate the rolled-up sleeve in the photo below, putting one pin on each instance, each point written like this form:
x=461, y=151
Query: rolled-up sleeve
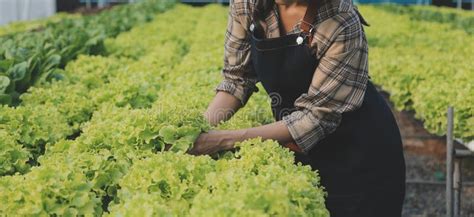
x=338, y=84
x=239, y=77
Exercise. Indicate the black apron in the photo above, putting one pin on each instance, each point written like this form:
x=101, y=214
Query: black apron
x=361, y=164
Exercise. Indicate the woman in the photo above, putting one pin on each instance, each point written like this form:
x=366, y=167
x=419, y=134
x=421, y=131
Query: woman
x=311, y=57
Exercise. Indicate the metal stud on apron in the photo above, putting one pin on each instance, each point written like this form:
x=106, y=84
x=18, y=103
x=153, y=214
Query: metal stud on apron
x=361, y=164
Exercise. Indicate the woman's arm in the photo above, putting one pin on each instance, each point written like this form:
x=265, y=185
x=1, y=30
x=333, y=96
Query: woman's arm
x=222, y=107
x=239, y=77
x=214, y=141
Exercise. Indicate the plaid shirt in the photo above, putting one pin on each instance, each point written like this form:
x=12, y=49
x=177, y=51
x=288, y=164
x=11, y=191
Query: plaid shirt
x=339, y=81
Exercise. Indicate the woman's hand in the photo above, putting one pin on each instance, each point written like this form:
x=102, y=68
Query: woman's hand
x=214, y=141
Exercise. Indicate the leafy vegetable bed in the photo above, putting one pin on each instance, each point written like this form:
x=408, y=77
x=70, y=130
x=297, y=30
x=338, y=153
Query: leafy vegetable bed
x=23, y=26
x=425, y=66
x=92, y=143
x=29, y=58
x=460, y=19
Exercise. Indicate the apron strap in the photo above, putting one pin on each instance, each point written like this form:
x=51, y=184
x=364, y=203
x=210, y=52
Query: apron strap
x=307, y=26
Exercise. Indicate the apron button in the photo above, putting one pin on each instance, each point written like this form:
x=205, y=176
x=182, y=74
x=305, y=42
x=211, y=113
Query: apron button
x=252, y=27
x=299, y=40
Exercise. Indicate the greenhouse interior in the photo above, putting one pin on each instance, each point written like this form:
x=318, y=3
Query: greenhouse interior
x=342, y=108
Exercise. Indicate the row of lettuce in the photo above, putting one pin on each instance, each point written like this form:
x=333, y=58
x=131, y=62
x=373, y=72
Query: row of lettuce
x=425, y=66
x=460, y=19
x=34, y=25
x=93, y=143
x=32, y=57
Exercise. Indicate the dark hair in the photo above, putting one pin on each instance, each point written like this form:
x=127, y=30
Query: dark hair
x=261, y=10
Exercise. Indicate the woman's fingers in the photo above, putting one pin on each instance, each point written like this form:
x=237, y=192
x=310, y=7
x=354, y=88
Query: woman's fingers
x=202, y=145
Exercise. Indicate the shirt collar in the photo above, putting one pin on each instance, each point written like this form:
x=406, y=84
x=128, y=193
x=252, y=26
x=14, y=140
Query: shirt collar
x=328, y=9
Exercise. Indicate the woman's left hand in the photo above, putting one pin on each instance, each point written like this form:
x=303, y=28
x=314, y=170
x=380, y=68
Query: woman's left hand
x=213, y=141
